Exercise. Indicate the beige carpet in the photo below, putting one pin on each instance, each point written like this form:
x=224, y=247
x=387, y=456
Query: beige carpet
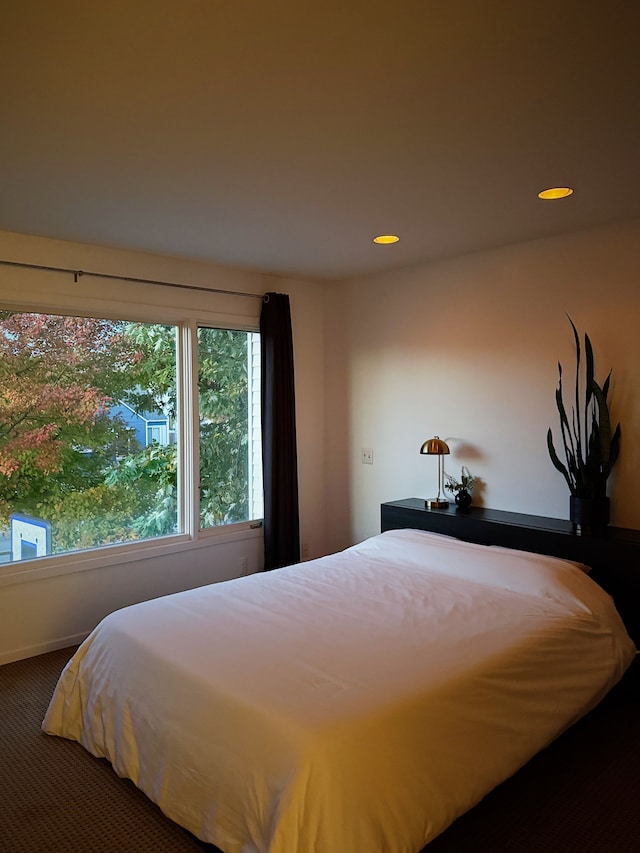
x=54, y=796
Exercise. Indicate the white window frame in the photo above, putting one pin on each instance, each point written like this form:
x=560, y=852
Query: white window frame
x=254, y=426
x=191, y=537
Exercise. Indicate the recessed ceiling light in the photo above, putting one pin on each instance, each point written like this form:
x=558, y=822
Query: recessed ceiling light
x=555, y=192
x=384, y=239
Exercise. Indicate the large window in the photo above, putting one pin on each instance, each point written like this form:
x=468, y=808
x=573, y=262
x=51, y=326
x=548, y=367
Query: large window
x=90, y=444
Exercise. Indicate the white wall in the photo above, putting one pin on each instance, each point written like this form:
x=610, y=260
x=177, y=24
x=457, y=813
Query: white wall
x=467, y=349
x=51, y=612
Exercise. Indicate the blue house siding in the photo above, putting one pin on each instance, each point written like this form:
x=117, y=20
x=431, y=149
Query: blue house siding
x=147, y=426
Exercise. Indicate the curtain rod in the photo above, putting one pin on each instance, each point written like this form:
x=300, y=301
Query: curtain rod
x=78, y=274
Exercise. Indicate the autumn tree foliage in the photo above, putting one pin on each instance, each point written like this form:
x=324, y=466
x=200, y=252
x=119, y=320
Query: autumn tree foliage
x=58, y=376
x=223, y=401
x=67, y=458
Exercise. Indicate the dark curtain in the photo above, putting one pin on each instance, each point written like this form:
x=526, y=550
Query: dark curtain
x=279, y=453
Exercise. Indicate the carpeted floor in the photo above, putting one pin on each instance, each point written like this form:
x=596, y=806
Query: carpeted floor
x=581, y=794
x=57, y=798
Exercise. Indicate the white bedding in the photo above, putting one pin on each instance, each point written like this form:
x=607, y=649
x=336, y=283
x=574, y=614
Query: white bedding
x=353, y=704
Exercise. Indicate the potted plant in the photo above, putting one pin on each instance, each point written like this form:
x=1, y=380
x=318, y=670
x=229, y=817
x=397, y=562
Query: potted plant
x=461, y=489
x=590, y=447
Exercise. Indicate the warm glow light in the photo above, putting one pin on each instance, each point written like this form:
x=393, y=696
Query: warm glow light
x=386, y=238
x=555, y=192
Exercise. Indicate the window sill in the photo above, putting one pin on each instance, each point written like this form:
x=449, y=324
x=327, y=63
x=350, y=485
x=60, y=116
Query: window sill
x=63, y=564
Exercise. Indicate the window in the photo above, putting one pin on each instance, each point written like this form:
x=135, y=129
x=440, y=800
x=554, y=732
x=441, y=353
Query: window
x=90, y=444
x=229, y=408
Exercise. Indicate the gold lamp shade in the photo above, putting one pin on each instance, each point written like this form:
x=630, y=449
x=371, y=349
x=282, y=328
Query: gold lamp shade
x=436, y=447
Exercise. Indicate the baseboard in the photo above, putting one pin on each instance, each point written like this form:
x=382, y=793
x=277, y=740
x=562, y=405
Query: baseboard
x=41, y=648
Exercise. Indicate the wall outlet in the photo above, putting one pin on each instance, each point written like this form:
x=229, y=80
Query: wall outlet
x=305, y=551
x=244, y=565
x=367, y=455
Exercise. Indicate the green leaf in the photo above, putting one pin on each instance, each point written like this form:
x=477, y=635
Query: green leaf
x=556, y=461
x=604, y=425
x=589, y=372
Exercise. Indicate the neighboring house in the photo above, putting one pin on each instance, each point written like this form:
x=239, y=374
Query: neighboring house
x=148, y=427
x=5, y=548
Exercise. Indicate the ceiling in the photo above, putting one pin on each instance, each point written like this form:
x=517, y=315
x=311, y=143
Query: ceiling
x=282, y=136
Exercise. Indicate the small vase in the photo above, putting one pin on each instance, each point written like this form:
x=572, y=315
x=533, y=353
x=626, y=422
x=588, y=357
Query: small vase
x=463, y=499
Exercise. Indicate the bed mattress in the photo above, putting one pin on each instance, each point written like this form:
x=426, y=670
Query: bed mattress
x=359, y=702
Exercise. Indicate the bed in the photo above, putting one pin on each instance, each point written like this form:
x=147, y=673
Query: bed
x=358, y=702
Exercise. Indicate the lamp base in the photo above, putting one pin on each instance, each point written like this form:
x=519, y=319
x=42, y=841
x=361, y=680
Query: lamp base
x=436, y=503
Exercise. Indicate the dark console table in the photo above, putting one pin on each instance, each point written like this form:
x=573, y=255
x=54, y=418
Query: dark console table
x=614, y=558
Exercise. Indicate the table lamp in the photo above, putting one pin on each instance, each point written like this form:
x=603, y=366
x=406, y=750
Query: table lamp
x=436, y=447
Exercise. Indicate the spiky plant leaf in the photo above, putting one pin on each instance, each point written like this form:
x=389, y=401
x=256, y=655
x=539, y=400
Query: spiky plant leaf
x=604, y=424
x=577, y=424
x=589, y=374
x=568, y=442
x=614, y=450
x=556, y=461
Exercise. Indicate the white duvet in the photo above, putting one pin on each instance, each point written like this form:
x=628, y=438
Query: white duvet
x=353, y=704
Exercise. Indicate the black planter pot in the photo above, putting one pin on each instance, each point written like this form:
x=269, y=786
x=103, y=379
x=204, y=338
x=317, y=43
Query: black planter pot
x=463, y=499
x=589, y=515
